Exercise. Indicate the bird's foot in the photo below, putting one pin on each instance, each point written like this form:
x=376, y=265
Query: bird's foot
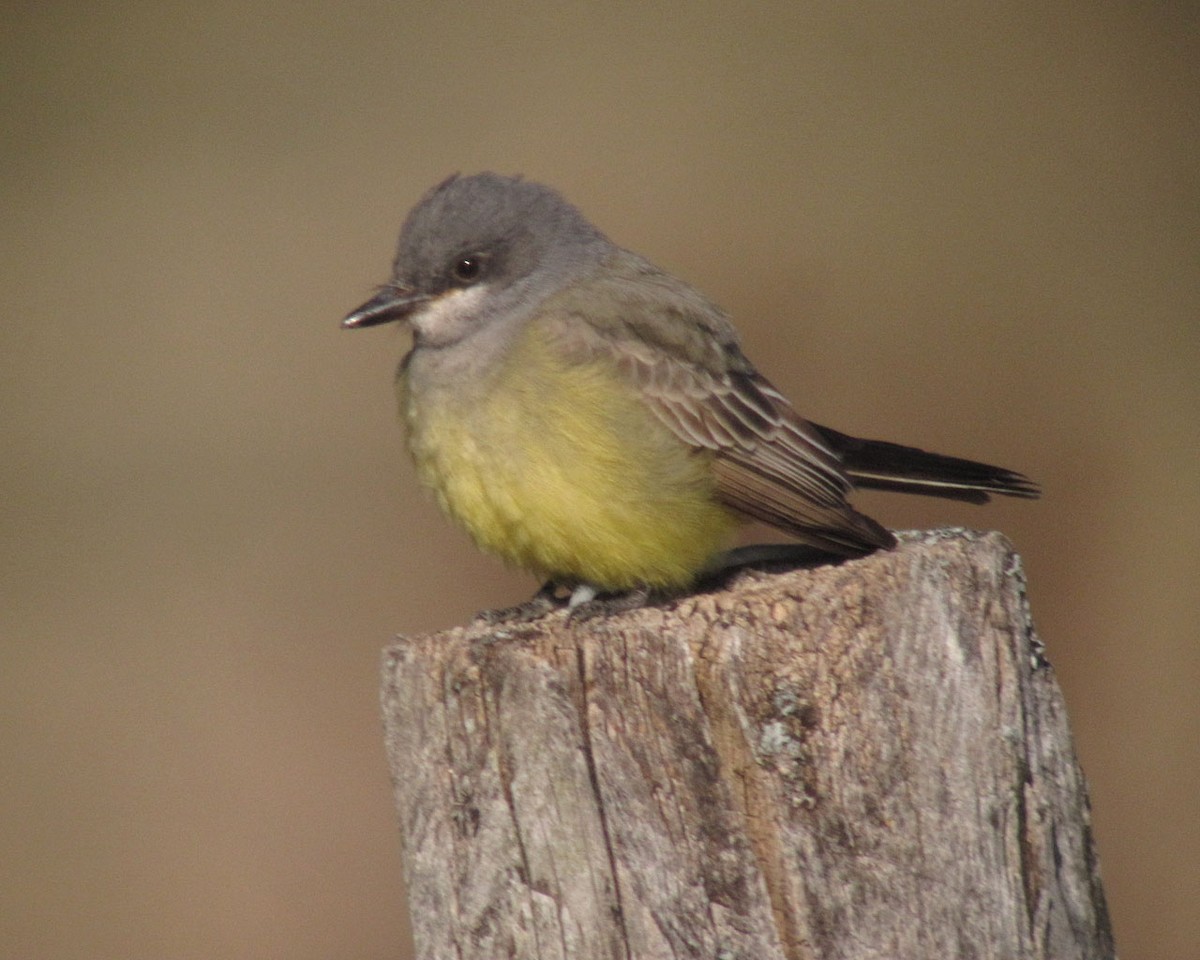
x=541, y=603
x=584, y=602
x=589, y=604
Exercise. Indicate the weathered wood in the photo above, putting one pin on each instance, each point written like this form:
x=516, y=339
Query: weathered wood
x=865, y=760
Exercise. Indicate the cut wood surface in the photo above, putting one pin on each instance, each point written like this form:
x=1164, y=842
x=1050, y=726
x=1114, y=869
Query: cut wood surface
x=868, y=760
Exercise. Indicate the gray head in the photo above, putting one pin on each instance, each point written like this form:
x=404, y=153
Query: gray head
x=474, y=246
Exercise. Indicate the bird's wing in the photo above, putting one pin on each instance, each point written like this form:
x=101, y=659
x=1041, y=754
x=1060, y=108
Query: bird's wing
x=680, y=353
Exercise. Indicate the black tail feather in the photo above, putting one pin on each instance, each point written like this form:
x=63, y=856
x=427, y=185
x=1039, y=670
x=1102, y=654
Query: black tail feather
x=880, y=465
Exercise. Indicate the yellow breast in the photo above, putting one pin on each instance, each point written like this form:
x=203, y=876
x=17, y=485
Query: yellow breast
x=560, y=469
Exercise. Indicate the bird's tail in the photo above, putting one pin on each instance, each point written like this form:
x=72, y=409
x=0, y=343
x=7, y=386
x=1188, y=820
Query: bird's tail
x=890, y=466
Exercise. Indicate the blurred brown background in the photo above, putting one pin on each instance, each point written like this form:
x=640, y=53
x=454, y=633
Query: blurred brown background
x=970, y=227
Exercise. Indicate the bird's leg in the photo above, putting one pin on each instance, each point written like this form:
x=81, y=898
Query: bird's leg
x=584, y=602
x=584, y=593
x=540, y=604
x=591, y=604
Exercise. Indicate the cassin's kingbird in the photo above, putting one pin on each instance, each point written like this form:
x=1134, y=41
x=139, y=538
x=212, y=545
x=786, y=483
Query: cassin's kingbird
x=592, y=419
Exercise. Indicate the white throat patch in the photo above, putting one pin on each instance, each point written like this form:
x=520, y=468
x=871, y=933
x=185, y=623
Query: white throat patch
x=450, y=316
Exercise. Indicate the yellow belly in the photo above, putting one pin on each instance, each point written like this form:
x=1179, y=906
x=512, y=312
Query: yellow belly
x=558, y=469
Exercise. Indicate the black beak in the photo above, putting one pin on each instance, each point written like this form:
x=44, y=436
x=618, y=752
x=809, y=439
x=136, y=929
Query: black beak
x=390, y=304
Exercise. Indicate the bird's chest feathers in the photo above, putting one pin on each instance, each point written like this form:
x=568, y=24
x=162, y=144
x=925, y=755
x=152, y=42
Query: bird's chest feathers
x=559, y=468
x=536, y=443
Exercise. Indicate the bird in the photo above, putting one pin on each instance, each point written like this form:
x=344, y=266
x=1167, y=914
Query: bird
x=588, y=417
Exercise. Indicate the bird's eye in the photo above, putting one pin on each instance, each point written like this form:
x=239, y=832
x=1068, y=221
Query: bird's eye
x=467, y=268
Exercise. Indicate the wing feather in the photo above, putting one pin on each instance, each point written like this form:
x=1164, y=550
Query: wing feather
x=680, y=353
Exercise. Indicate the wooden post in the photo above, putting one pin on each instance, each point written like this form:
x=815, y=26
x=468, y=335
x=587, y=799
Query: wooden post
x=869, y=760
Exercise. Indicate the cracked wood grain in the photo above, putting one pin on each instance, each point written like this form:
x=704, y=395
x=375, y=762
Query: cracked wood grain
x=859, y=761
